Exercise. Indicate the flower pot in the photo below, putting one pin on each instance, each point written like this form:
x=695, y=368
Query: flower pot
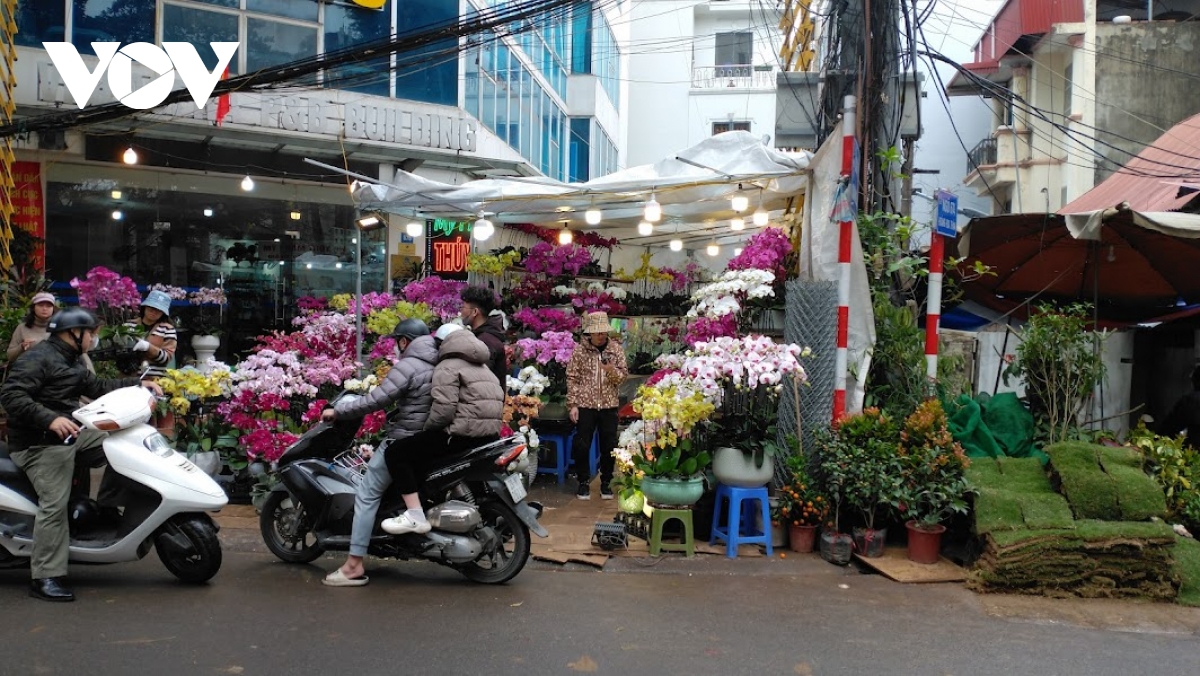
x=632, y=504
x=836, y=547
x=733, y=467
x=209, y=462
x=673, y=492
x=205, y=347
x=869, y=543
x=802, y=538
x=553, y=411
x=165, y=424
x=924, y=546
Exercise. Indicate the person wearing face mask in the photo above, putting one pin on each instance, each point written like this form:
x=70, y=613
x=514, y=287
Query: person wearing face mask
x=595, y=372
x=158, y=345
x=478, y=314
x=43, y=388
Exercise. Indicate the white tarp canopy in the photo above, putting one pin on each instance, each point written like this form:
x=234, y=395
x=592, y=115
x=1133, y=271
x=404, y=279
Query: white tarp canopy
x=694, y=188
x=1172, y=223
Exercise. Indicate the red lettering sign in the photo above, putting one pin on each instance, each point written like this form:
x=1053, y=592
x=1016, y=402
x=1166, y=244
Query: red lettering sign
x=29, y=207
x=450, y=256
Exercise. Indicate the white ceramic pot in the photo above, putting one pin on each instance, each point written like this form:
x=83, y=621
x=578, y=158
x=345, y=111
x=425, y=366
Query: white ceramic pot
x=205, y=347
x=733, y=467
x=209, y=462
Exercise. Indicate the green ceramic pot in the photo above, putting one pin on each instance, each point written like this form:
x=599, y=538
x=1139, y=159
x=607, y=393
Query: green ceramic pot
x=633, y=504
x=673, y=492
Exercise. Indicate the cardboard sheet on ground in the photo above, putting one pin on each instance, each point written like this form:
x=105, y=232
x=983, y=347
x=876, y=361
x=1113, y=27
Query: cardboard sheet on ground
x=894, y=564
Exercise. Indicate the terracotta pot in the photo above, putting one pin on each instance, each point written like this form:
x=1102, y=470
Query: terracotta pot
x=924, y=546
x=802, y=538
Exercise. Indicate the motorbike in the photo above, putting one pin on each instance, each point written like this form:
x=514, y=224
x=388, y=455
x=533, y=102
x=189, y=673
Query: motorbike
x=166, y=498
x=475, y=502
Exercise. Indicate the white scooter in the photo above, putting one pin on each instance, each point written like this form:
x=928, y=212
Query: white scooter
x=166, y=497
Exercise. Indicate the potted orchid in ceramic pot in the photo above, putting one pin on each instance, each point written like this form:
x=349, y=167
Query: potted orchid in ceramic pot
x=661, y=445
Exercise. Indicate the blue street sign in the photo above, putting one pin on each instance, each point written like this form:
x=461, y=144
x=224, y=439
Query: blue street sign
x=947, y=214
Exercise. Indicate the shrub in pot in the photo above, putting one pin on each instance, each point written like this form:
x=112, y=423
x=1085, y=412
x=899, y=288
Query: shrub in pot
x=934, y=482
x=802, y=507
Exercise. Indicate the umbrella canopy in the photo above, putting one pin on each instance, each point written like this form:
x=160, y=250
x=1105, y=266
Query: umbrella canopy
x=1132, y=266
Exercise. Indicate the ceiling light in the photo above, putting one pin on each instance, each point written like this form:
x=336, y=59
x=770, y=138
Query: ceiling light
x=354, y=240
x=592, y=216
x=761, y=217
x=564, y=236
x=282, y=263
x=739, y=202
x=645, y=228
x=653, y=210
x=414, y=229
x=117, y=215
x=737, y=223
x=208, y=212
x=483, y=228
x=338, y=266
x=247, y=183
x=116, y=194
x=713, y=249
x=276, y=239
x=676, y=245
x=130, y=156
x=372, y=221
x=737, y=251
x=308, y=266
x=295, y=215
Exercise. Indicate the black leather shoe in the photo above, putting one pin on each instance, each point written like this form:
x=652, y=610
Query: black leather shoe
x=51, y=589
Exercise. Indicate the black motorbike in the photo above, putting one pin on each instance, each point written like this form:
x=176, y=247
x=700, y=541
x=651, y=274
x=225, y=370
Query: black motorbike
x=475, y=501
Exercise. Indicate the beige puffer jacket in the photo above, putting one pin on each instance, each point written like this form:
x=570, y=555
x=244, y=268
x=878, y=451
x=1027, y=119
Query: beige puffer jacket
x=467, y=400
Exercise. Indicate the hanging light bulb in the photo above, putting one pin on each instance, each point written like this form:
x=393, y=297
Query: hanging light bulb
x=414, y=229
x=737, y=251
x=645, y=228
x=208, y=212
x=308, y=266
x=295, y=215
x=564, y=236
x=117, y=194
x=117, y=215
x=713, y=249
x=737, y=223
x=676, y=245
x=761, y=217
x=593, y=215
x=130, y=156
x=483, y=228
x=653, y=211
x=247, y=183
x=739, y=202
x=338, y=266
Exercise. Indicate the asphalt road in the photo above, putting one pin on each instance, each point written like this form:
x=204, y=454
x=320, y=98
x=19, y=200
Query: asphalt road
x=260, y=616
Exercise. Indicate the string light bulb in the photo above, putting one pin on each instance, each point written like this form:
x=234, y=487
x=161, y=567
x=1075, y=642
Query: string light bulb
x=247, y=183
x=483, y=228
x=130, y=156
x=737, y=251
x=739, y=202
x=208, y=212
x=593, y=215
x=414, y=229
x=295, y=215
x=564, y=236
x=737, y=223
x=117, y=194
x=117, y=215
x=645, y=228
x=676, y=245
x=761, y=217
x=713, y=249
x=653, y=211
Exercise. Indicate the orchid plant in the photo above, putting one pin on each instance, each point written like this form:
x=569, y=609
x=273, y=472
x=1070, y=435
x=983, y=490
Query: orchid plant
x=554, y=261
x=551, y=353
x=112, y=297
x=441, y=296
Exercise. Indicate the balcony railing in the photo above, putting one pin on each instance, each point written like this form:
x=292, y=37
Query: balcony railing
x=732, y=77
x=984, y=153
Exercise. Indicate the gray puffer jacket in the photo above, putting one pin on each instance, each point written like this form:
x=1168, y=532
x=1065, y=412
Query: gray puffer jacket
x=467, y=400
x=409, y=384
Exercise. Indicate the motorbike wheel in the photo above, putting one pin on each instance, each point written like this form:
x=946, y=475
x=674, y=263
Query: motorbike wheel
x=503, y=564
x=200, y=560
x=283, y=530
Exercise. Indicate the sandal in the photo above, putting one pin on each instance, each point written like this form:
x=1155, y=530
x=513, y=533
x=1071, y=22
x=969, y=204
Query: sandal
x=338, y=579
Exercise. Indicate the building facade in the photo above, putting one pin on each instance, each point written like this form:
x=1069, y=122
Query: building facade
x=233, y=203
x=1077, y=89
x=702, y=67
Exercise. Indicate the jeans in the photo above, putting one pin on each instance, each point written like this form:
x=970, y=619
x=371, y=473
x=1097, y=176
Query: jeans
x=366, y=502
x=592, y=420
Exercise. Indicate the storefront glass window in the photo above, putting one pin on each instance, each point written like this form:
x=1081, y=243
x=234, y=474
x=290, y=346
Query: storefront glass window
x=346, y=27
x=40, y=21
x=293, y=9
x=222, y=3
x=580, y=149
x=429, y=74
x=111, y=21
x=200, y=27
x=270, y=43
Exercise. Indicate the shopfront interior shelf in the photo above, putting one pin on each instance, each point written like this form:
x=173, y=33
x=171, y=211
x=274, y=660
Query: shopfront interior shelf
x=594, y=278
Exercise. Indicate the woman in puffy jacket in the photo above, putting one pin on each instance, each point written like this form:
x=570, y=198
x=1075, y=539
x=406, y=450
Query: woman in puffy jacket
x=409, y=386
x=467, y=410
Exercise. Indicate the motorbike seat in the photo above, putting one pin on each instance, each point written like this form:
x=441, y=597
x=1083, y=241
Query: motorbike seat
x=12, y=476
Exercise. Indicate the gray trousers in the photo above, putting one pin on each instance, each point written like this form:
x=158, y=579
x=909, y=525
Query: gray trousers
x=50, y=470
x=366, y=502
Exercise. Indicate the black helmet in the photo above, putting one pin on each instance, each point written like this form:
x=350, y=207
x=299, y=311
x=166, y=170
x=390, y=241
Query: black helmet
x=410, y=328
x=72, y=318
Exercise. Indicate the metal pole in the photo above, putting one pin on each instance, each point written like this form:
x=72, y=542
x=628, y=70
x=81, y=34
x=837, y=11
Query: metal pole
x=937, y=254
x=358, y=314
x=846, y=235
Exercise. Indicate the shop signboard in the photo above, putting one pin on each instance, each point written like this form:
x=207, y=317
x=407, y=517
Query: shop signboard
x=447, y=244
x=29, y=206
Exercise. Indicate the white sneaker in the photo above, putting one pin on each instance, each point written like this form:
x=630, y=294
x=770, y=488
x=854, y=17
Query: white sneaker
x=404, y=524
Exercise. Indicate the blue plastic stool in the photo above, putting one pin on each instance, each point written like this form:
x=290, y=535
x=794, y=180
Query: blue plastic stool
x=739, y=527
x=562, y=443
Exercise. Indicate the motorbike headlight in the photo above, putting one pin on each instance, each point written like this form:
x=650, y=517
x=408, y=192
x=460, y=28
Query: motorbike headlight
x=158, y=445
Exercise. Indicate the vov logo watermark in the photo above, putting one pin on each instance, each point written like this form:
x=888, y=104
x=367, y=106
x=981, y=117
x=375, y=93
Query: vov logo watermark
x=165, y=62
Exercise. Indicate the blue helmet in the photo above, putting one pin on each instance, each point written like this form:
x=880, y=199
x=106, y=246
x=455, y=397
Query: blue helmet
x=158, y=300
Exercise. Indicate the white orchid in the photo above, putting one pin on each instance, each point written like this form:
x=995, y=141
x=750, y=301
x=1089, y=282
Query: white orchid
x=724, y=296
x=528, y=381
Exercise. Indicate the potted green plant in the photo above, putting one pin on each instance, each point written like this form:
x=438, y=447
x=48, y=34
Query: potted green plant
x=661, y=447
x=934, y=481
x=801, y=506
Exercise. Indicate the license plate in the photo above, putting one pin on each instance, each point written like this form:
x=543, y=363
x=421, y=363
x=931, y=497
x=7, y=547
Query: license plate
x=516, y=487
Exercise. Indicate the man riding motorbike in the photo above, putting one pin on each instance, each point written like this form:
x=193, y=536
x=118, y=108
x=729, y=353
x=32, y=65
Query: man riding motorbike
x=468, y=405
x=42, y=390
x=407, y=385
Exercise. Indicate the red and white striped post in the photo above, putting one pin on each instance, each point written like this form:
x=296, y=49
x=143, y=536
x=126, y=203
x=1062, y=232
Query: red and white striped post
x=845, y=237
x=934, y=303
